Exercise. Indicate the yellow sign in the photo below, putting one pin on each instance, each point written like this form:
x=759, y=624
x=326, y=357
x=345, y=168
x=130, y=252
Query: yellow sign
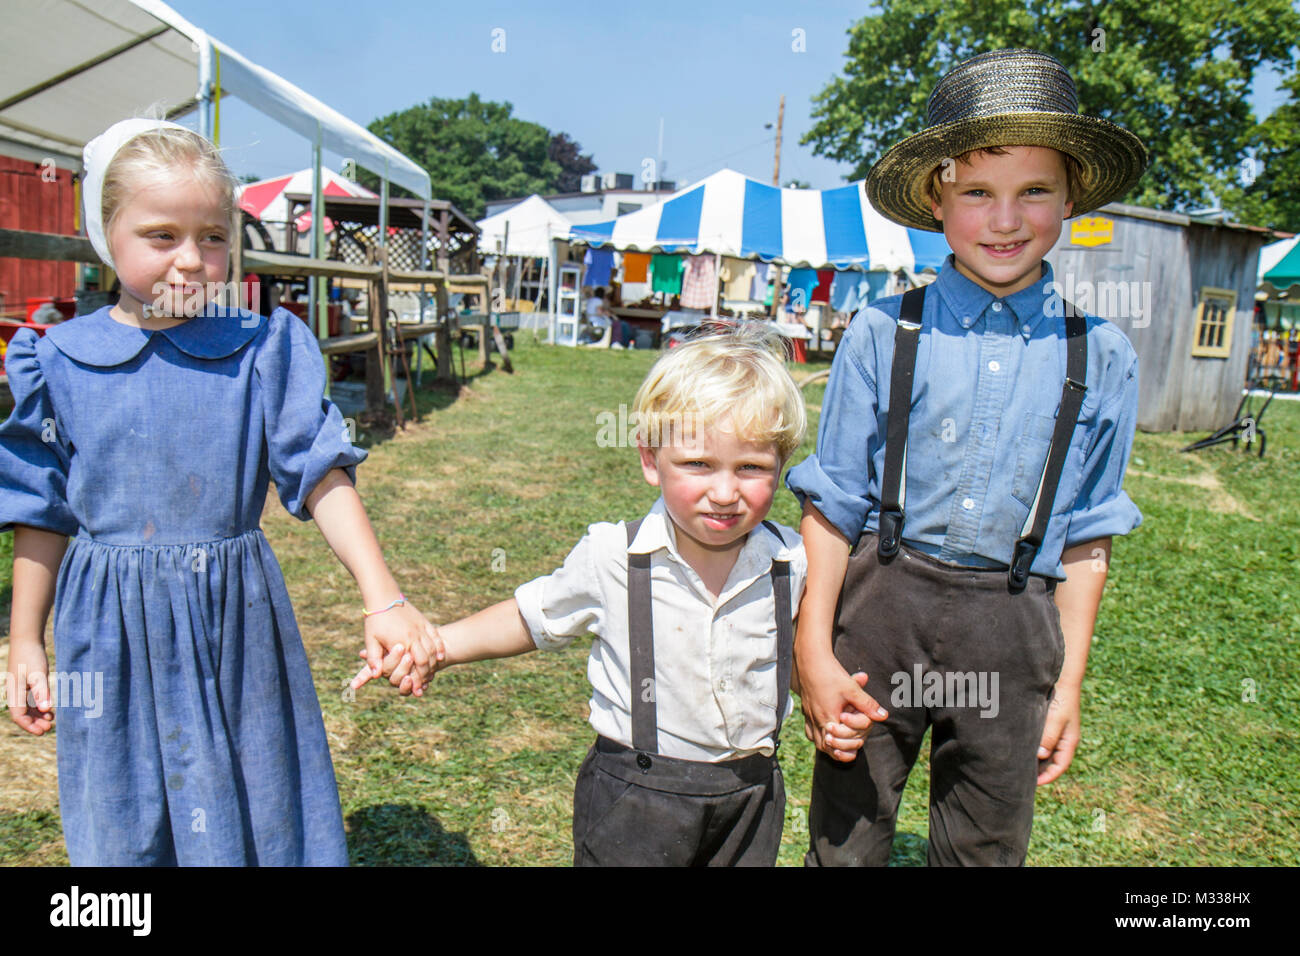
x=1092, y=231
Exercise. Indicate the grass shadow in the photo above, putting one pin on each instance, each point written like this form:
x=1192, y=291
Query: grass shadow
x=394, y=835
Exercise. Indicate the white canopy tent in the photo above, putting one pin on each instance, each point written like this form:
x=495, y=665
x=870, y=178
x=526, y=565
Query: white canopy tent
x=525, y=229
x=69, y=69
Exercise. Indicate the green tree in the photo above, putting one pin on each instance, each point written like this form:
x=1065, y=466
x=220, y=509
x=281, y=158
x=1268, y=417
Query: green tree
x=1176, y=74
x=573, y=164
x=473, y=149
x=1264, y=192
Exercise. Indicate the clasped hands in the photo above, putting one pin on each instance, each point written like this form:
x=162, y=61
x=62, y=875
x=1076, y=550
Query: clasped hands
x=404, y=646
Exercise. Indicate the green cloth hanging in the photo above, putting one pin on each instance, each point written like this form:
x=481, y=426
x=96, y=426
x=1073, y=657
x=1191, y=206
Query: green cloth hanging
x=666, y=274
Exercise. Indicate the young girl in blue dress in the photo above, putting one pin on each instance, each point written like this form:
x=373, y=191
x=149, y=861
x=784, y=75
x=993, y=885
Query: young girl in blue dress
x=133, y=472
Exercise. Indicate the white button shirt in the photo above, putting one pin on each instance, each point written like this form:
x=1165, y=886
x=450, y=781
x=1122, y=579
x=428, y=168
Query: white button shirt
x=715, y=660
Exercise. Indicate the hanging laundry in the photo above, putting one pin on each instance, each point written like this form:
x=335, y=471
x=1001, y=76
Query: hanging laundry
x=737, y=278
x=597, y=265
x=666, y=274
x=823, y=291
x=700, y=282
x=635, y=266
x=851, y=290
x=799, y=286
x=762, y=275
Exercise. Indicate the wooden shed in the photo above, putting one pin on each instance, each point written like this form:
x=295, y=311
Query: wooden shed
x=1183, y=290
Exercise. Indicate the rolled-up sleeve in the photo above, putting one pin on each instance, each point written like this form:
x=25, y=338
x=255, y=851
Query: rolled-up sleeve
x=34, y=455
x=566, y=603
x=306, y=435
x=1102, y=508
x=836, y=477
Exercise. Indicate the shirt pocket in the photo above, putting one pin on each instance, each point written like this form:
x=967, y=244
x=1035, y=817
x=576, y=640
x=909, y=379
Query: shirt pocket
x=1034, y=441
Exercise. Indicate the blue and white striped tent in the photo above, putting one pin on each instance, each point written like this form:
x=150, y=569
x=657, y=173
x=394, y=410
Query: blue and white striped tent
x=730, y=214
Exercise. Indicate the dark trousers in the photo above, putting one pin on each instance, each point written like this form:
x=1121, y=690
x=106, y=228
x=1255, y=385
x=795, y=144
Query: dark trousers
x=912, y=618
x=675, y=812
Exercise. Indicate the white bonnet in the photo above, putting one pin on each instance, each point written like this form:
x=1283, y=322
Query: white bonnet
x=99, y=152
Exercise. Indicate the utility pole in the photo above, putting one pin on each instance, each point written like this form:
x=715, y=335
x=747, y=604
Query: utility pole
x=780, y=120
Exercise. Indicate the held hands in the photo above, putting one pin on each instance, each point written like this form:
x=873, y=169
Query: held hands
x=28, y=671
x=401, y=639
x=838, y=713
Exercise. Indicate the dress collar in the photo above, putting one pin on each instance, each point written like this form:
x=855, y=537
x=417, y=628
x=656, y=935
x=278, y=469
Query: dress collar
x=98, y=339
x=968, y=300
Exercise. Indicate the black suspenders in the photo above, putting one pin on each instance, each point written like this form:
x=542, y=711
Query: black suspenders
x=640, y=629
x=893, y=482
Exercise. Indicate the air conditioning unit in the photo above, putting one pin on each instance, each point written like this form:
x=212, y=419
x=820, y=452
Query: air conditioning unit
x=588, y=183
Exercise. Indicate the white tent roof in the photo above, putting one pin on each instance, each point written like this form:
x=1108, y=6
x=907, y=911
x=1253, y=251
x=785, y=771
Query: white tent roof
x=533, y=223
x=70, y=69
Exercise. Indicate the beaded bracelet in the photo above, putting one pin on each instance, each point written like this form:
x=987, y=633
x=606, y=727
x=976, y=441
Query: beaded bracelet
x=401, y=599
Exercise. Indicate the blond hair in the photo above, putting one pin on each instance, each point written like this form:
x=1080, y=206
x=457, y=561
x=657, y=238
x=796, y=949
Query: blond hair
x=724, y=374
x=164, y=151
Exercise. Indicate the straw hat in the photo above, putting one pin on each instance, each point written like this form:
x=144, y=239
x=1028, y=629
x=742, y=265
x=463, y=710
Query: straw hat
x=1005, y=98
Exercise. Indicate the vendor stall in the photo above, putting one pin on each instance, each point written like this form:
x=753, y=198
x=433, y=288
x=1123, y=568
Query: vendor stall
x=728, y=220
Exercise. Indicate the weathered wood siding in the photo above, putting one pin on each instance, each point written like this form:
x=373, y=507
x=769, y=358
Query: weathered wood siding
x=1170, y=261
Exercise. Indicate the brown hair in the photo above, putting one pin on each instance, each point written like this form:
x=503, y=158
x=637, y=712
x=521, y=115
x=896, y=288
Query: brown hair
x=164, y=150
x=1073, y=171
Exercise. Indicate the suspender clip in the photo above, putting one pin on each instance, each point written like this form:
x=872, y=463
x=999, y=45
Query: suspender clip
x=1077, y=386
x=891, y=532
x=1018, y=573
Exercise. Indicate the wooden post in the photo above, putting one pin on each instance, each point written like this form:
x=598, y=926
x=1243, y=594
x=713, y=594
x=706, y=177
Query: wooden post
x=237, y=264
x=446, y=372
x=375, y=397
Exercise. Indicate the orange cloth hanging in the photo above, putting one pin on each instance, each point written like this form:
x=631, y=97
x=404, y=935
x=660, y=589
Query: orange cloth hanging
x=635, y=266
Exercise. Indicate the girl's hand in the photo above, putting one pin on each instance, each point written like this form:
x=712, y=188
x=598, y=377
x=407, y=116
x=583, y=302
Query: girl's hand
x=28, y=671
x=402, y=626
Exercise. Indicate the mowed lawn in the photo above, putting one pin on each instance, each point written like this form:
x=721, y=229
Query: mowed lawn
x=1191, y=722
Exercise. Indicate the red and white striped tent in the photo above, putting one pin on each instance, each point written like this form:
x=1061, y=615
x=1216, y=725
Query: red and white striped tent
x=265, y=198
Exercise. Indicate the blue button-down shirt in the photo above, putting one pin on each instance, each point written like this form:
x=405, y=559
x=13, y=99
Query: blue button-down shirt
x=988, y=383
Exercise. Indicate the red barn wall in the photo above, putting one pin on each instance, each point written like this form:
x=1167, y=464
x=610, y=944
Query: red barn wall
x=34, y=203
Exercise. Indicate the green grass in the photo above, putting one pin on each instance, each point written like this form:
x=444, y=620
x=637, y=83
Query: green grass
x=1175, y=767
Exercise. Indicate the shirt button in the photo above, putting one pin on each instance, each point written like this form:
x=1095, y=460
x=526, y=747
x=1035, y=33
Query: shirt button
x=997, y=306
x=724, y=685
x=968, y=503
x=1025, y=329
x=994, y=366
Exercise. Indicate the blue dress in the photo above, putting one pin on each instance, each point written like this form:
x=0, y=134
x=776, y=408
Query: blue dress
x=204, y=744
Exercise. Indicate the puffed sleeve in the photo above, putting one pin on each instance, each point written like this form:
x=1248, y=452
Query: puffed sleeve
x=566, y=603
x=306, y=435
x=34, y=455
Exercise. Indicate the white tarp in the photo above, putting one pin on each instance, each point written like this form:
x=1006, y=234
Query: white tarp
x=533, y=223
x=69, y=69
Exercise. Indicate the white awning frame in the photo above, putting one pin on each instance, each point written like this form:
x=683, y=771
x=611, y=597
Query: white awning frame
x=67, y=70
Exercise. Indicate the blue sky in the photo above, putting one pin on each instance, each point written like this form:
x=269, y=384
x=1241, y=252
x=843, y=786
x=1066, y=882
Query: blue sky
x=603, y=73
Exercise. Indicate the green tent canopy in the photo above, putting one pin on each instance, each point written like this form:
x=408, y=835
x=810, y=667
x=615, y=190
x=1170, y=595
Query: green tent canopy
x=1287, y=271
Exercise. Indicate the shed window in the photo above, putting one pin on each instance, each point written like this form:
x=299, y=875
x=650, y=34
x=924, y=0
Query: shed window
x=1212, y=337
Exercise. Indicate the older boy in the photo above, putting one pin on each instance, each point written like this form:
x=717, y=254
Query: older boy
x=692, y=608
x=959, y=510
